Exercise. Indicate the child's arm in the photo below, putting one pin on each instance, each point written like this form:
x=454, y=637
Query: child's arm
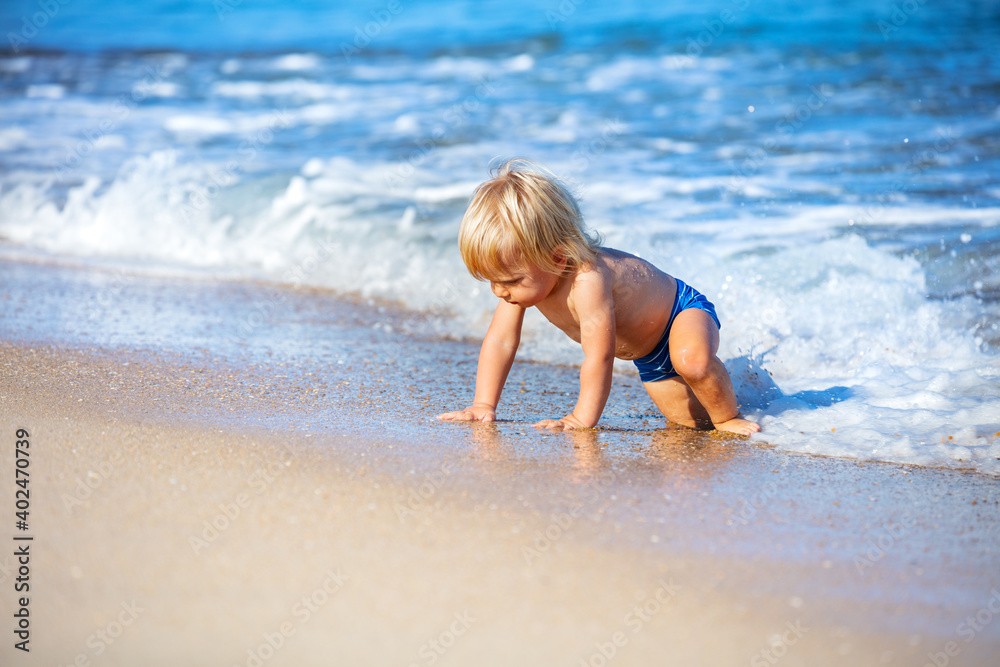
x=595, y=308
x=495, y=359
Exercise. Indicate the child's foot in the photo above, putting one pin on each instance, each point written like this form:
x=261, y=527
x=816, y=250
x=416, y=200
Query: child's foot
x=737, y=425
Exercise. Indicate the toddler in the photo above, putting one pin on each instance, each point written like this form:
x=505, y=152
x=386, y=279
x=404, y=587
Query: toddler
x=523, y=233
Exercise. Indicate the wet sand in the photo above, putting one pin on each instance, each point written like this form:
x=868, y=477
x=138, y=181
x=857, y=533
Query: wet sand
x=205, y=498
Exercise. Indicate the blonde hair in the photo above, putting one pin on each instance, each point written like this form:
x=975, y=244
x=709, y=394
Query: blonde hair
x=524, y=214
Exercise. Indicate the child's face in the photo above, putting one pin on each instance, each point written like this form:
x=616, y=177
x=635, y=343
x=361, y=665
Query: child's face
x=525, y=285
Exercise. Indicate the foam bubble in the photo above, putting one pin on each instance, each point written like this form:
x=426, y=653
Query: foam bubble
x=520, y=63
x=49, y=91
x=300, y=88
x=12, y=137
x=199, y=124
x=295, y=62
x=15, y=65
x=162, y=89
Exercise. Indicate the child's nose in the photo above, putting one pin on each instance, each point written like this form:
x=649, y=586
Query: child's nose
x=499, y=290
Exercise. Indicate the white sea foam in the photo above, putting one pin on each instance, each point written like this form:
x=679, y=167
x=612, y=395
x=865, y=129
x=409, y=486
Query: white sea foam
x=295, y=62
x=162, y=89
x=12, y=137
x=202, y=124
x=50, y=91
x=520, y=63
x=867, y=366
x=465, y=67
x=449, y=192
x=299, y=88
x=110, y=141
x=15, y=65
x=671, y=146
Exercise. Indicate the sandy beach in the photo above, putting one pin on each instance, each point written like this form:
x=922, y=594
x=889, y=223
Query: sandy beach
x=200, y=497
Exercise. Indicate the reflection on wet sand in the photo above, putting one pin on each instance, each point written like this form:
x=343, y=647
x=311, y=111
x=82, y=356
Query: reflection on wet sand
x=674, y=454
x=699, y=452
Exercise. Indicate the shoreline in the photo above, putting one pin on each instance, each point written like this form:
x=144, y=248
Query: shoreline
x=84, y=303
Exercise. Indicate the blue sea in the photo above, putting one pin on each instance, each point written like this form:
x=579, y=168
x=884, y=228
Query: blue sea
x=828, y=173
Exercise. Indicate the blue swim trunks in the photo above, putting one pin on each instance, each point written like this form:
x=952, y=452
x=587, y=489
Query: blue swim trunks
x=656, y=365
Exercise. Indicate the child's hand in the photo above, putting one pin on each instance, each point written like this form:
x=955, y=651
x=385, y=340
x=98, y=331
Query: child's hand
x=477, y=412
x=567, y=423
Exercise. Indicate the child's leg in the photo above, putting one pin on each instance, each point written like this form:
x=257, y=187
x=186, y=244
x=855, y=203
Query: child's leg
x=703, y=394
x=678, y=403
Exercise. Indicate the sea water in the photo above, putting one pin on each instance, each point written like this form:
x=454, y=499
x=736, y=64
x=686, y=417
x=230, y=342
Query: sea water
x=825, y=172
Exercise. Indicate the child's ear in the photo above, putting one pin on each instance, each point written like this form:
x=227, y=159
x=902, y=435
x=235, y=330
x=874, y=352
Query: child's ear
x=559, y=257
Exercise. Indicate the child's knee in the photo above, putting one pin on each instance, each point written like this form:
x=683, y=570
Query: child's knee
x=695, y=365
